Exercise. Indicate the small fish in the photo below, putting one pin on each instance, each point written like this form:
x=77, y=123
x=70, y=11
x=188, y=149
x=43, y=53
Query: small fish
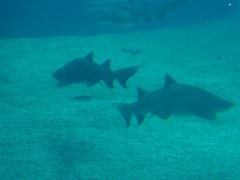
x=85, y=70
x=82, y=98
x=173, y=98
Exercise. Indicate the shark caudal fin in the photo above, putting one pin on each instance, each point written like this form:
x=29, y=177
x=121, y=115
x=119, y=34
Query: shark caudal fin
x=108, y=80
x=126, y=111
x=122, y=75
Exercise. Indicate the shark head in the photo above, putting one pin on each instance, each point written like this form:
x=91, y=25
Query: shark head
x=224, y=105
x=60, y=76
x=69, y=73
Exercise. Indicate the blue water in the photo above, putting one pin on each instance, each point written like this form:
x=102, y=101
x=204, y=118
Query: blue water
x=75, y=132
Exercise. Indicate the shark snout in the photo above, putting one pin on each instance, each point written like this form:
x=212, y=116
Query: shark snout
x=57, y=75
x=225, y=105
x=229, y=105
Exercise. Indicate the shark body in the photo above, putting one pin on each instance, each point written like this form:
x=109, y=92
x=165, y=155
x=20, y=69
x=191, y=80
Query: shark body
x=174, y=98
x=133, y=13
x=85, y=70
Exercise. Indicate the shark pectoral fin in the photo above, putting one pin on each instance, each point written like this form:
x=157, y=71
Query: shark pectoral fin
x=163, y=115
x=109, y=82
x=140, y=118
x=206, y=115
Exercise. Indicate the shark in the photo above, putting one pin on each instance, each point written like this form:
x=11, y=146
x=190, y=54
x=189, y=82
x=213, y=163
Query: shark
x=173, y=99
x=132, y=13
x=85, y=70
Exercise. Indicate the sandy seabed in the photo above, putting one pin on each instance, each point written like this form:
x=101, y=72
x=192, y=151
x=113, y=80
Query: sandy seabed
x=45, y=134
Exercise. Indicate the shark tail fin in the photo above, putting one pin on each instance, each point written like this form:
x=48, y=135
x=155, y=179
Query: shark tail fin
x=108, y=80
x=126, y=111
x=122, y=75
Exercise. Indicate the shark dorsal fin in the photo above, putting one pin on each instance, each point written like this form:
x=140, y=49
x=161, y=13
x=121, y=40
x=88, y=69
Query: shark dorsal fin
x=106, y=64
x=169, y=81
x=140, y=93
x=89, y=57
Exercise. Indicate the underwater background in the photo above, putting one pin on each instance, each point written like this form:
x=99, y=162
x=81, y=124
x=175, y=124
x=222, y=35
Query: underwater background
x=48, y=134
